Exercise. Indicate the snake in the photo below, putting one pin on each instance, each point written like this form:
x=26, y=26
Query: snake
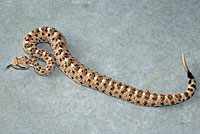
x=85, y=76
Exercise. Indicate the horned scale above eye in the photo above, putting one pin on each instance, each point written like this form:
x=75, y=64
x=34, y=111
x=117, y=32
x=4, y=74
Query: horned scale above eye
x=87, y=77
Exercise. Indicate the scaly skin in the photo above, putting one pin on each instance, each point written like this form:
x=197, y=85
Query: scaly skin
x=87, y=77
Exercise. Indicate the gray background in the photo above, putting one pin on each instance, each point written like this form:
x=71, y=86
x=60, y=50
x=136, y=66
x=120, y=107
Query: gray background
x=137, y=42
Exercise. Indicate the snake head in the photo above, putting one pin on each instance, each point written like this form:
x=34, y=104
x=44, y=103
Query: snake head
x=21, y=62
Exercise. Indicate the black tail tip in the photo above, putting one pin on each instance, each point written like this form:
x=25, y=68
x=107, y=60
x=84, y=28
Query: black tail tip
x=190, y=75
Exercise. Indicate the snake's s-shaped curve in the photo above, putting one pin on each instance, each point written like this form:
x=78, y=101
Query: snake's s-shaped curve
x=87, y=77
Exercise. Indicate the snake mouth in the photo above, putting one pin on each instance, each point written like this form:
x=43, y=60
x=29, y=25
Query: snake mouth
x=20, y=67
x=17, y=66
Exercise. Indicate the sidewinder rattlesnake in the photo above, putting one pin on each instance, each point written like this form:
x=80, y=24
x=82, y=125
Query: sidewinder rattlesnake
x=85, y=76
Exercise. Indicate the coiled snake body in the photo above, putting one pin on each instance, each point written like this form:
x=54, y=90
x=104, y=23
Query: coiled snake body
x=85, y=76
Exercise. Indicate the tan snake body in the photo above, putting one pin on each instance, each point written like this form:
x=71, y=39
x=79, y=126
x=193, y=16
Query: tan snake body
x=85, y=76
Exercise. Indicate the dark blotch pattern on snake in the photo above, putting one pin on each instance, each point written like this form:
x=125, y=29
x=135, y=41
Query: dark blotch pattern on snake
x=87, y=77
